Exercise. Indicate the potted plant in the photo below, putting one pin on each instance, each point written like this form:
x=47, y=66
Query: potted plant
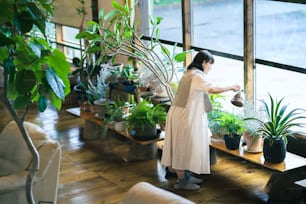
x=117, y=116
x=276, y=127
x=143, y=119
x=232, y=127
x=97, y=91
x=116, y=34
x=253, y=140
x=33, y=71
x=214, y=115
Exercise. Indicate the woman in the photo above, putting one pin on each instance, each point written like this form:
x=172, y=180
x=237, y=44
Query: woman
x=186, y=145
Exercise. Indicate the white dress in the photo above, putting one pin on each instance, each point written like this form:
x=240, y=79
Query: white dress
x=186, y=144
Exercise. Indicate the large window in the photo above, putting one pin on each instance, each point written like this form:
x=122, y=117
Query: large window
x=218, y=25
x=171, y=25
x=280, y=32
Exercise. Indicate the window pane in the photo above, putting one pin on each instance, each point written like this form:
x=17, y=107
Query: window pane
x=280, y=32
x=218, y=25
x=225, y=72
x=281, y=83
x=69, y=34
x=171, y=25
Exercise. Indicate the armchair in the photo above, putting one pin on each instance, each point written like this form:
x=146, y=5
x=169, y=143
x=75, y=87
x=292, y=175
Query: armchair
x=15, y=159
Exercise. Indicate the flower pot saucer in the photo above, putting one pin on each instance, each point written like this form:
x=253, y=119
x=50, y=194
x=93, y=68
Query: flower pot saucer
x=251, y=150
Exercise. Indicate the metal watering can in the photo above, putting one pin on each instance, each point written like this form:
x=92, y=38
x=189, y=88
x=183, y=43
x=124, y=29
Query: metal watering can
x=238, y=99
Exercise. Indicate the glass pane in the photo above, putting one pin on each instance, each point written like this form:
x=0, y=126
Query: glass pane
x=225, y=72
x=280, y=32
x=171, y=25
x=218, y=25
x=281, y=83
x=69, y=34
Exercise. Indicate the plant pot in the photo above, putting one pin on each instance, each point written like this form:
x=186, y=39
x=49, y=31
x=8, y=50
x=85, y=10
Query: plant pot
x=120, y=126
x=100, y=107
x=276, y=152
x=254, y=143
x=232, y=142
x=146, y=133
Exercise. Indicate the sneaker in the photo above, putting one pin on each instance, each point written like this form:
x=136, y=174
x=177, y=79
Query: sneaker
x=193, y=180
x=187, y=186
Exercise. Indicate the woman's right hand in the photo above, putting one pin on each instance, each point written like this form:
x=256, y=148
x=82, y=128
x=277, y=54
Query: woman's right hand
x=236, y=88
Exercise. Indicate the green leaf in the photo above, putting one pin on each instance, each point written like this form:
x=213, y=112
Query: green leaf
x=55, y=101
x=4, y=41
x=42, y=103
x=8, y=65
x=38, y=17
x=101, y=14
x=158, y=20
x=180, y=57
x=35, y=48
x=21, y=102
x=3, y=53
x=24, y=22
x=165, y=50
x=25, y=81
x=61, y=67
x=55, y=83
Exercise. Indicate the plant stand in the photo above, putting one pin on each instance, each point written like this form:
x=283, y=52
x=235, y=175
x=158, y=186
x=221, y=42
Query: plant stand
x=96, y=137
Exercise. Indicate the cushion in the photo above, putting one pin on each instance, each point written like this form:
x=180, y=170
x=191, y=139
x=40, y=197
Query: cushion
x=144, y=192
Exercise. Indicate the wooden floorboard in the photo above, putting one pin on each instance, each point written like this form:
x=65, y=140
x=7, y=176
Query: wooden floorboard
x=86, y=176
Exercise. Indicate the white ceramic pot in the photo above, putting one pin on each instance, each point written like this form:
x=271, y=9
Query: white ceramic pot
x=120, y=126
x=254, y=144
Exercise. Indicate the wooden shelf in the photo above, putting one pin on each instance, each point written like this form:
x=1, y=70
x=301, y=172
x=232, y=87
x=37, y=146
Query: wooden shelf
x=90, y=117
x=292, y=161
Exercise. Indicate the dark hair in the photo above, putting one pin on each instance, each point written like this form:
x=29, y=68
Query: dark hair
x=197, y=61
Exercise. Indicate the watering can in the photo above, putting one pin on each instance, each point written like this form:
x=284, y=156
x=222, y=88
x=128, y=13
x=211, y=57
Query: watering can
x=238, y=100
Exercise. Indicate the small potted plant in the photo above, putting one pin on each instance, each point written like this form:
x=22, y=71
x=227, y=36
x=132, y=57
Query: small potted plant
x=214, y=115
x=253, y=140
x=143, y=119
x=97, y=91
x=276, y=127
x=232, y=126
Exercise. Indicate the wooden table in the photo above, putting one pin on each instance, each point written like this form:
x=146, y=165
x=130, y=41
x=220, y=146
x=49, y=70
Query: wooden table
x=93, y=133
x=284, y=174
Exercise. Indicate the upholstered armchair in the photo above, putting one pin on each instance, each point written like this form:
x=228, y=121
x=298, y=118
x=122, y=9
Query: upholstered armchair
x=15, y=159
x=146, y=193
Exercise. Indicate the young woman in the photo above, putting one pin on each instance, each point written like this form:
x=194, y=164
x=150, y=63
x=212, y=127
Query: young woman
x=186, y=145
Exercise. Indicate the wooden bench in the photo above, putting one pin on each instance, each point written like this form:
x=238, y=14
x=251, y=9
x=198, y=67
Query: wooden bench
x=93, y=134
x=279, y=186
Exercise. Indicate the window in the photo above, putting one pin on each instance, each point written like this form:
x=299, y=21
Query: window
x=171, y=25
x=218, y=25
x=280, y=32
x=72, y=48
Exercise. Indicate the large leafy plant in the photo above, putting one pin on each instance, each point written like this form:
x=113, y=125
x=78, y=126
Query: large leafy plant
x=116, y=34
x=145, y=113
x=278, y=122
x=231, y=124
x=32, y=70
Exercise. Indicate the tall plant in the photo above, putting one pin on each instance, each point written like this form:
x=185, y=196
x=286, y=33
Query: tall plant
x=114, y=35
x=32, y=70
x=278, y=122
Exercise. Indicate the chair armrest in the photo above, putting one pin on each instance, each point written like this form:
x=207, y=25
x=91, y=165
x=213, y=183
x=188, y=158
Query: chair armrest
x=13, y=181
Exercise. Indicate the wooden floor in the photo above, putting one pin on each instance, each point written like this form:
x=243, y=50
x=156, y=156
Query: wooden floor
x=86, y=176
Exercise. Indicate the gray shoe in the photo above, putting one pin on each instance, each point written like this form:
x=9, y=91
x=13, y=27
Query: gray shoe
x=187, y=186
x=193, y=180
